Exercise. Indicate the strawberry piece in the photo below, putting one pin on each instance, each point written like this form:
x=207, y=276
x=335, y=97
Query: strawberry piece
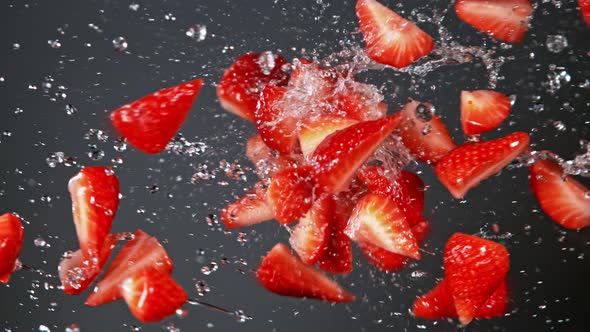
x=267, y=161
x=248, y=210
x=142, y=254
x=424, y=133
x=338, y=157
x=95, y=198
x=152, y=297
x=505, y=20
x=563, y=198
x=338, y=256
x=281, y=272
x=151, y=122
x=310, y=237
x=496, y=305
x=358, y=101
x=390, y=38
x=290, y=193
x=314, y=130
x=585, y=10
x=11, y=244
x=241, y=84
x=483, y=110
x=378, y=220
x=468, y=165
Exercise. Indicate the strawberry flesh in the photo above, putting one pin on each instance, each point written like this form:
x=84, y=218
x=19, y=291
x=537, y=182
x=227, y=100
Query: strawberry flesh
x=585, y=10
x=248, y=210
x=11, y=244
x=310, y=237
x=314, y=130
x=483, y=110
x=290, y=194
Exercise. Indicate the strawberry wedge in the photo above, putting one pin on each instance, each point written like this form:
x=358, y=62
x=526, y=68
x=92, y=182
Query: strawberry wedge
x=290, y=194
x=313, y=131
x=310, y=237
x=248, y=210
x=483, y=110
x=11, y=244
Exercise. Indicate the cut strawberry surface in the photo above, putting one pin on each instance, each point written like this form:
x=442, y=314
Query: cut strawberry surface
x=390, y=38
x=290, y=194
x=505, y=20
x=152, y=121
x=313, y=131
x=250, y=209
x=11, y=244
x=468, y=165
x=483, y=110
x=267, y=161
x=338, y=256
x=563, y=198
x=310, y=237
x=281, y=272
x=585, y=10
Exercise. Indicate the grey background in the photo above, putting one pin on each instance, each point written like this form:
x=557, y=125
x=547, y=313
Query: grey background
x=550, y=271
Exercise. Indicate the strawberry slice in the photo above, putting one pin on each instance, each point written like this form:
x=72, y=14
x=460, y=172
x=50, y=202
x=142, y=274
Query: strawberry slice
x=152, y=297
x=152, y=121
x=290, y=194
x=378, y=220
x=250, y=209
x=505, y=20
x=338, y=256
x=468, y=165
x=95, y=198
x=483, y=110
x=495, y=306
x=11, y=243
x=142, y=254
x=267, y=161
x=338, y=157
x=563, y=198
x=390, y=38
x=241, y=84
x=585, y=10
x=424, y=133
x=281, y=272
x=310, y=237
x=314, y=130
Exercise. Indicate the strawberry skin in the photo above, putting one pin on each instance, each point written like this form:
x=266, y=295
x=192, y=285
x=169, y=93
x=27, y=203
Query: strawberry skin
x=585, y=10
x=338, y=256
x=152, y=121
x=495, y=306
x=468, y=165
x=290, y=193
x=390, y=38
x=310, y=237
x=563, y=198
x=483, y=110
x=250, y=209
x=314, y=130
x=277, y=128
x=11, y=244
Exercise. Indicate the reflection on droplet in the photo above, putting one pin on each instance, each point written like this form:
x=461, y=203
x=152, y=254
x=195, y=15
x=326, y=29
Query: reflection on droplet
x=197, y=32
x=120, y=44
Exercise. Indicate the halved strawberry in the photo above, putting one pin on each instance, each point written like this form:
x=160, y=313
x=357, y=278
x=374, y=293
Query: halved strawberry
x=290, y=194
x=483, y=110
x=11, y=243
x=468, y=165
x=241, y=84
x=424, y=133
x=338, y=256
x=310, y=237
x=142, y=254
x=505, y=20
x=151, y=122
x=585, y=10
x=390, y=38
x=95, y=198
x=281, y=272
x=267, y=161
x=563, y=198
x=314, y=130
x=250, y=209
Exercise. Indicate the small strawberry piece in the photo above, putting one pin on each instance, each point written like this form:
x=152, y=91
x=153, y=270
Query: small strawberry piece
x=250, y=209
x=241, y=84
x=338, y=256
x=563, y=198
x=483, y=110
x=281, y=272
x=468, y=165
x=142, y=254
x=585, y=10
x=495, y=306
x=152, y=297
x=339, y=156
x=505, y=20
x=424, y=133
x=290, y=194
x=11, y=243
x=314, y=130
x=378, y=220
x=310, y=237
x=390, y=38
x=152, y=121
x=95, y=198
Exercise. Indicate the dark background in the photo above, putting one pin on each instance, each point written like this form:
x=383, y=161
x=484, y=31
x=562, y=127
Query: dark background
x=550, y=271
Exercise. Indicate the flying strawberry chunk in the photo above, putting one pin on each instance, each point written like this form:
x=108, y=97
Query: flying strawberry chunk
x=290, y=194
x=563, y=198
x=95, y=198
x=585, y=10
x=390, y=38
x=142, y=254
x=483, y=110
x=505, y=20
x=314, y=130
x=424, y=133
x=151, y=122
x=468, y=165
x=267, y=161
x=281, y=272
x=496, y=305
x=11, y=243
x=310, y=237
x=250, y=209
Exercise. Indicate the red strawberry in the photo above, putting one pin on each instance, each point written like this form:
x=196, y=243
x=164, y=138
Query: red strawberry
x=358, y=101
x=563, y=198
x=505, y=20
x=290, y=193
x=267, y=161
x=338, y=255
x=483, y=110
x=496, y=305
x=377, y=219
x=424, y=133
x=11, y=243
x=585, y=10
x=390, y=38
x=338, y=157
x=314, y=130
x=250, y=209
x=95, y=198
x=151, y=122
x=468, y=165
x=241, y=84
x=142, y=254
x=152, y=297
x=281, y=272
x=310, y=237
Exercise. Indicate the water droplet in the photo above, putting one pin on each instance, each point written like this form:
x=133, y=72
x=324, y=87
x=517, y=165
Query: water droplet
x=40, y=242
x=43, y=328
x=71, y=109
x=266, y=61
x=134, y=7
x=120, y=44
x=556, y=43
x=153, y=189
x=169, y=17
x=197, y=32
x=16, y=46
x=424, y=112
x=242, y=239
x=72, y=328
x=241, y=317
x=54, y=43
x=94, y=27
x=202, y=288
x=208, y=269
